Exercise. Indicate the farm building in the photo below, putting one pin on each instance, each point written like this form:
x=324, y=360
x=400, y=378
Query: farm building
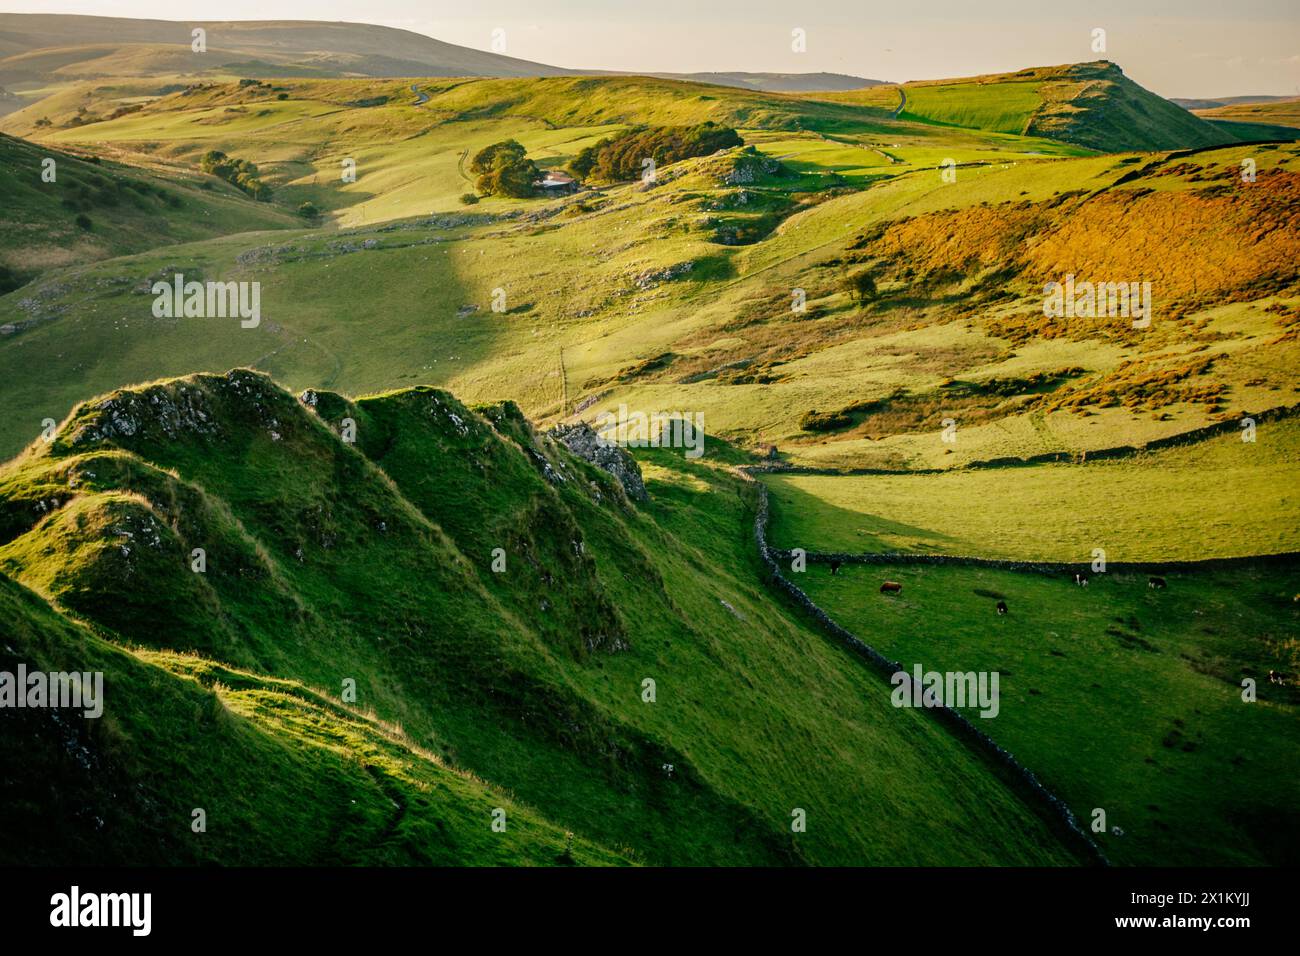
x=556, y=183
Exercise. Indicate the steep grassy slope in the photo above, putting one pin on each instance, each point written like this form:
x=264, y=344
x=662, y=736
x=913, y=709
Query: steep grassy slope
x=1089, y=104
x=327, y=562
x=283, y=774
x=97, y=210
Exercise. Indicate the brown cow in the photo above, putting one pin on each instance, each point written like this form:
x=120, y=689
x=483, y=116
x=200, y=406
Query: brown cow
x=891, y=587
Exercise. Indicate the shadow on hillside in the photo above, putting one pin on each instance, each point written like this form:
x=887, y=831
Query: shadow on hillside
x=799, y=517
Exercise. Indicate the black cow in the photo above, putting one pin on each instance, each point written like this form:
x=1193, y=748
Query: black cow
x=835, y=567
x=1002, y=607
x=1157, y=583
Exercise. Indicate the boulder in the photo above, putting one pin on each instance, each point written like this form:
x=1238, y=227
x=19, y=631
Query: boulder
x=582, y=441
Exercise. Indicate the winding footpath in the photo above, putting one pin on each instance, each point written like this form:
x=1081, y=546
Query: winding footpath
x=902, y=101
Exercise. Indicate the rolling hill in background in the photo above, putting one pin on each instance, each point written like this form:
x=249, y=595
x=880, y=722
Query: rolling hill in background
x=37, y=47
x=1277, y=117
x=1214, y=103
x=39, y=53
x=777, y=82
x=384, y=497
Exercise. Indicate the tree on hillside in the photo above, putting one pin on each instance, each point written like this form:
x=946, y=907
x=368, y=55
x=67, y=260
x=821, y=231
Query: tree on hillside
x=861, y=286
x=504, y=170
x=240, y=173
x=487, y=158
x=510, y=179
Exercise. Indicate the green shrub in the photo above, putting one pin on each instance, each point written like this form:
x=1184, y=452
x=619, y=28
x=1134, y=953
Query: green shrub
x=9, y=280
x=468, y=199
x=815, y=421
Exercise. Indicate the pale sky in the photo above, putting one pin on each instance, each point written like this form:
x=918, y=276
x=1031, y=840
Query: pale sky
x=1188, y=48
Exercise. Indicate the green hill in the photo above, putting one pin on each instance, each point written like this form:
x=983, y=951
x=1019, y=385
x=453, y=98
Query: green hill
x=1089, y=104
x=864, y=274
x=52, y=46
x=97, y=210
x=282, y=774
x=328, y=562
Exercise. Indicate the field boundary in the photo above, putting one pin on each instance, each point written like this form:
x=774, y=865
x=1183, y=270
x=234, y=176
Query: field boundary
x=1057, y=810
x=1042, y=567
x=1190, y=437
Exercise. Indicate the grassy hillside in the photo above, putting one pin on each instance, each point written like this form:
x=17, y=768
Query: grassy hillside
x=1002, y=107
x=44, y=47
x=1120, y=697
x=1093, y=105
x=957, y=323
x=284, y=774
x=866, y=272
x=1061, y=512
x=1280, y=111
x=97, y=210
x=1276, y=118
x=328, y=562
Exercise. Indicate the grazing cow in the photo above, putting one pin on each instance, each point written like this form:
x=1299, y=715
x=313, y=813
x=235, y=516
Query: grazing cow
x=1156, y=582
x=1002, y=607
x=891, y=587
x=1277, y=677
x=835, y=567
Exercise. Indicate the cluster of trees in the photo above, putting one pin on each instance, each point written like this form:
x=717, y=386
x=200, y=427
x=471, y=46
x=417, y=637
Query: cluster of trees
x=620, y=158
x=240, y=173
x=503, y=169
